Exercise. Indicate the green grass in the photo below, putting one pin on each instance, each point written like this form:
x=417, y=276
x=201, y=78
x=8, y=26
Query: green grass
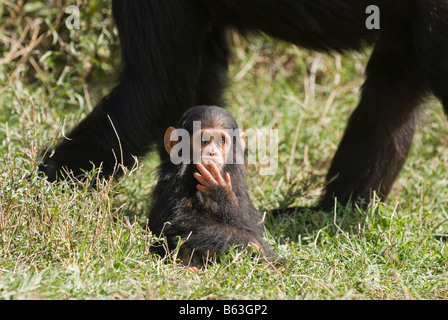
x=64, y=242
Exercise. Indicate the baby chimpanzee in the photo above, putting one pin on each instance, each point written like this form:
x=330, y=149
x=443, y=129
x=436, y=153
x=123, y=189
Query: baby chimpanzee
x=201, y=196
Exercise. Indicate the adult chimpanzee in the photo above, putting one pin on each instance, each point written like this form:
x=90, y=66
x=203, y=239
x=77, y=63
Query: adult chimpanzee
x=175, y=55
x=201, y=197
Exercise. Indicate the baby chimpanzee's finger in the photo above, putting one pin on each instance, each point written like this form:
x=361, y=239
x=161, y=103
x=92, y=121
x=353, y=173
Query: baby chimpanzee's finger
x=217, y=174
x=228, y=180
x=203, y=189
x=200, y=178
x=206, y=174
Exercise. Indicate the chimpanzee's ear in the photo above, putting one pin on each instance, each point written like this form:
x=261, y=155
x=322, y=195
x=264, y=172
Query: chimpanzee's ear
x=170, y=139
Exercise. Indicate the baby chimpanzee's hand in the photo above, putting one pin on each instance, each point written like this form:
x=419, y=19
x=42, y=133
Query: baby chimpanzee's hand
x=212, y=181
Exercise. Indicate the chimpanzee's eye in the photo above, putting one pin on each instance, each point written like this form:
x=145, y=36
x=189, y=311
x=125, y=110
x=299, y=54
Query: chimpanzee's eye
x=221, y=141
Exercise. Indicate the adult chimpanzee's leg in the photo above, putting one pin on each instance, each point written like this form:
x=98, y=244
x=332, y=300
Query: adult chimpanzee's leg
x=212, y=78
x=214, y=66
x=379, y=133
x=431, y=36
x=161, y=45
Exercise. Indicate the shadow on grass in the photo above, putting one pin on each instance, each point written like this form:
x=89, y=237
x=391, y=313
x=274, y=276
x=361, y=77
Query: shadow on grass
x=304, y=223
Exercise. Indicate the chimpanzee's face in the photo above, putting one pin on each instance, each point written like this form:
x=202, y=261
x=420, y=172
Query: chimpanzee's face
x=215, y=146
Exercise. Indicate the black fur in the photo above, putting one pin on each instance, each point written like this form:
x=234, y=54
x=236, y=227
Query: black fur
x=208, y=226
x=175, y=55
